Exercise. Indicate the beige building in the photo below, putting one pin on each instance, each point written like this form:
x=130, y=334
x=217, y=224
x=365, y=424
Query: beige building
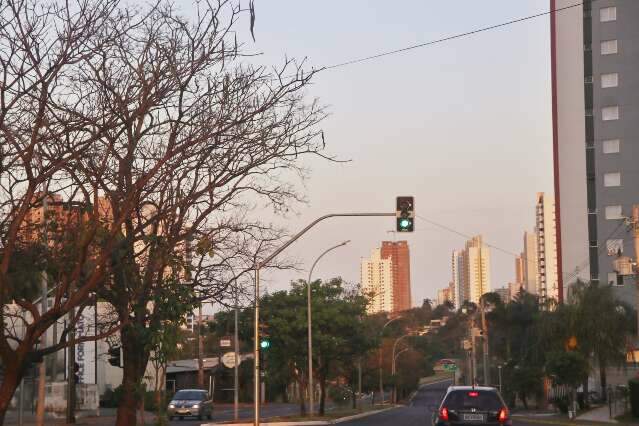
x=477, y=264
x=530, y=263
x=547, y=277
x=471, y=272
x=376, y=277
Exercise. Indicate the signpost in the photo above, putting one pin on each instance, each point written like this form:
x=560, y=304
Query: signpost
x=225, y=342
x=228, y=359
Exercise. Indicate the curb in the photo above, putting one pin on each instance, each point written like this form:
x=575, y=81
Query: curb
x=309, y=423
x=560, y=422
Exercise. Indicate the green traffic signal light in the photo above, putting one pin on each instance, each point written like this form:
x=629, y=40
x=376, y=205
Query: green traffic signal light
x=404, y=223
x=265, y=344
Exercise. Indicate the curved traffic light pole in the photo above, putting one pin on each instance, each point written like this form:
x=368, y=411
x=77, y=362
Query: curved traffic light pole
x=258, y=266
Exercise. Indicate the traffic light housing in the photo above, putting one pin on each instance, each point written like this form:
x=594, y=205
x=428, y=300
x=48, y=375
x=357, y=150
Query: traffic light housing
x=405, y=214
x=115, y=358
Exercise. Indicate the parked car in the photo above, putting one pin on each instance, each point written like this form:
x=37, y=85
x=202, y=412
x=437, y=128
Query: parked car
x=471, y=405
x=190, y=402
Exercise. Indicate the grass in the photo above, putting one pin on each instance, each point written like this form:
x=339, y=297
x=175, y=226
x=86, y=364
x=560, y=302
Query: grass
x=627, y=419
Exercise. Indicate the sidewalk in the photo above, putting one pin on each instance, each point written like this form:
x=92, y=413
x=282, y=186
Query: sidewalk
x=599, y=414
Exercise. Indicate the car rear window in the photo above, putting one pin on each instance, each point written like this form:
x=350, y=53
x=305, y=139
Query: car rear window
x=189, y=395
x=468, y=399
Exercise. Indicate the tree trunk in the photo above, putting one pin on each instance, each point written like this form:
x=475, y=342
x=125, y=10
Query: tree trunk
x=604, y=380
x=524, y=400
x=11, y=380
x=322, y=407
x=135, y=359
x=302, y=396
x=586, y=392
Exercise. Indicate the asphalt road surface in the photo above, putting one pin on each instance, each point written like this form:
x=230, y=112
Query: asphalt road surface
x=225, y=414
x=416, y=412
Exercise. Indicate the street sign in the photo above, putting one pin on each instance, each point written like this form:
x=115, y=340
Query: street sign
x=450, y=367
x=225, y=342
x=228, y=359
x=466, y=344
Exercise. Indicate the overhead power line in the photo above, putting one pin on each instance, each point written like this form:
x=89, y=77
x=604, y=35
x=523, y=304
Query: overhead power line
x=449, y=38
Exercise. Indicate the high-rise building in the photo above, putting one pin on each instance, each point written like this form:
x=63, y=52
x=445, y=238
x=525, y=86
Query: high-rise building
x=398, y=253
x=595, y=105
x=444, y=295
x=459, y=286
x=530, y=263
x=504, y=294
x=471, y=271
x=519, y=269
x=547, y=278
x=376, y=277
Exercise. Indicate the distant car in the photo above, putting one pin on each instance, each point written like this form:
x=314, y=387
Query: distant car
x=190, y=402
x=476, y=405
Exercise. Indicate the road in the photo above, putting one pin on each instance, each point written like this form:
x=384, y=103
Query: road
x=246, y=412
x=416, y=412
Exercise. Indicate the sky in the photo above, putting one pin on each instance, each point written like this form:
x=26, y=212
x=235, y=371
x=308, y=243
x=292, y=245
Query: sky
x=463, y=126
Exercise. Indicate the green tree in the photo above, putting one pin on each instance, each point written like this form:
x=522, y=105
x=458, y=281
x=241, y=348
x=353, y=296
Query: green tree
x=340, y=334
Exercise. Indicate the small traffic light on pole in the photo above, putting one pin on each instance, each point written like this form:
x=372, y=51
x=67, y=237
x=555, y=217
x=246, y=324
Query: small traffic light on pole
x=114, y=356
x=405, y=214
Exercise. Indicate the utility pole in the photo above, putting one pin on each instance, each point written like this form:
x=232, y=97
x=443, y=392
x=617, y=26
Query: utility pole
x=484, y=329
x=42, y=378
x=71, y=369
x=236, y=369
x=635, y=231
x=200, y=349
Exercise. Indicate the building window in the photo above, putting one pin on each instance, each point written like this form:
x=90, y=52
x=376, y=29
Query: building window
x=613, y=279
x=613, y=212
x=612, y=179
x=608, y=14
x=611, y=146
x=609, y=80
x=609, y=47
x=610, y=113
x=614, y=247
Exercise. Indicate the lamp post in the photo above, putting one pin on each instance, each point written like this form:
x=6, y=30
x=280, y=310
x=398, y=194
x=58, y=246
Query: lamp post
x=499, y=370
x=310, y=325
x=381, y=351
x=393, y=369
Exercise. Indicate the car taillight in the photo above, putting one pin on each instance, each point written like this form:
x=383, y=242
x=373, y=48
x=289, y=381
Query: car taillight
x=443, y=414
x=503, y=415
x=473, y=394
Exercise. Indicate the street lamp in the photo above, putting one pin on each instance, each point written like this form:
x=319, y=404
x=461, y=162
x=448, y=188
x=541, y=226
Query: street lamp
x=394, y=358
x=381, y=351
x=310, y=325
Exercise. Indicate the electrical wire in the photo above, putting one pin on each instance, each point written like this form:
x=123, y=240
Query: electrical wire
x=449, y=38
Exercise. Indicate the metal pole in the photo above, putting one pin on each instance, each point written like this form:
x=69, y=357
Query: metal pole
x=71, y=370
x=42, y=379
x=484, y=327
x=236, y=370
x=95, y=345
x=635, y=228
x=381, y=372
x=499, y=370
x=394, y=396
x=310, y=327
x=258, y=265
x=256, y=347
x=200, y=349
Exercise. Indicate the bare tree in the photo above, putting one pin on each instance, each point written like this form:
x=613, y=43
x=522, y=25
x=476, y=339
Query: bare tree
x=202, y=141
x=47, y=126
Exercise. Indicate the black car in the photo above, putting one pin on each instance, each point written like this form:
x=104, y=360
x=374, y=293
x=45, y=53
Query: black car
x=466, y=405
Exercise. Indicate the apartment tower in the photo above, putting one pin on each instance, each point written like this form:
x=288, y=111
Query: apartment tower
x=399, y=255
x=595, y=106
x=547, y=278
x=376, y=277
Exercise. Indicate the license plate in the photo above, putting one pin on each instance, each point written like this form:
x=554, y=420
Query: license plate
x=473, y=417
x=182, y=411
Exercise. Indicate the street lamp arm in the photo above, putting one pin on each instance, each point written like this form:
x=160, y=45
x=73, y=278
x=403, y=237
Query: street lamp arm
x=310, y=273
x=312, y=224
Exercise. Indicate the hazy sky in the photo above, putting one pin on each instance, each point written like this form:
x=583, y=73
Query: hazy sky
x=464, y=126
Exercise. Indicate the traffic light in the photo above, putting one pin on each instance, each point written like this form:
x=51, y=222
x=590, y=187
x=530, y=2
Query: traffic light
x=115, y=357
x=265, y=343
x=405, y=214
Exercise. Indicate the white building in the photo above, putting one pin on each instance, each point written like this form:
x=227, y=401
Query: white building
x=547, y=277
x=530, y=263
x=377, y=282
x=471, y=271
